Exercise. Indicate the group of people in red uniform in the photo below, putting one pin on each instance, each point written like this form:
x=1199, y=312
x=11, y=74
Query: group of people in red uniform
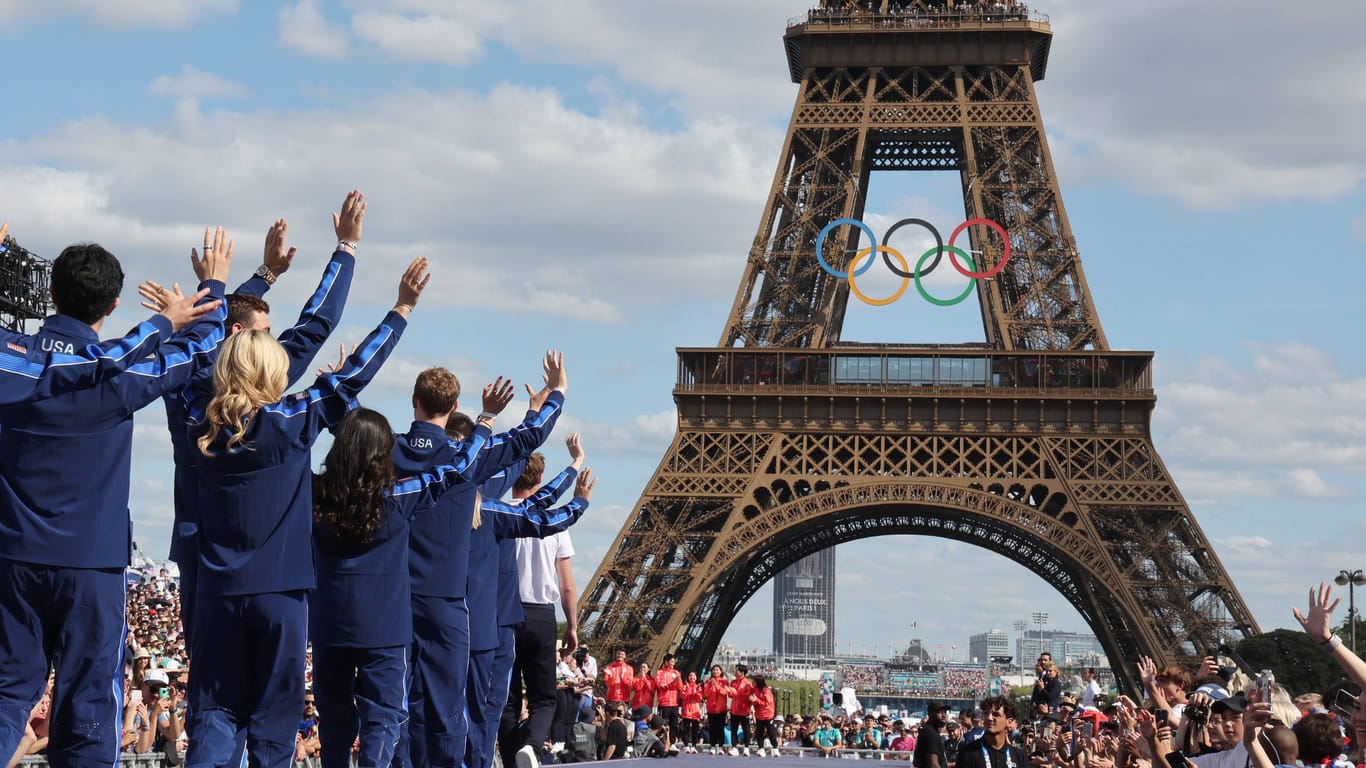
x=743, y=703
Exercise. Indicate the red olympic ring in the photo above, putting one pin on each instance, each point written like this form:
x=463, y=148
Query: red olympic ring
x=1005, y=256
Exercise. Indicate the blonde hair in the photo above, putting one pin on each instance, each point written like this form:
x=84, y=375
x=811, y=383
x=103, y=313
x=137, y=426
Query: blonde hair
x=478, y=503
x=252, y=371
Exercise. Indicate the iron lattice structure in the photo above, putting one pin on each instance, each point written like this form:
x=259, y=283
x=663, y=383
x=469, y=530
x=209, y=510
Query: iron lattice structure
x=1036, y=445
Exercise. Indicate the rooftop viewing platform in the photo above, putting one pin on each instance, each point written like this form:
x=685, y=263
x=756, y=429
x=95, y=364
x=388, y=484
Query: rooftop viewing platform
x=920, y=32
x=911, y=370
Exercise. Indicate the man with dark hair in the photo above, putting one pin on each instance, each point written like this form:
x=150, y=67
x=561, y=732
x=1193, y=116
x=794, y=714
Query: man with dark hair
x=439, y=546
x=618, y=676
x=31, y=369
x=617, y=738
x=65, y=464
x=929, y=744
x=668, y=688
x=740, y=708
x=994, y=749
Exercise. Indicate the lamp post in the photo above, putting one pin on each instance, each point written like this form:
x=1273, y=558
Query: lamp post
x=1040, y=619
x=1021, y=626
x=1352, y=579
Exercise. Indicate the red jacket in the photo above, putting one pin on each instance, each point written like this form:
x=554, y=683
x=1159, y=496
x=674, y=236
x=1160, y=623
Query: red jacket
x=764, y=708
x=668, y=684
x=618, y=676
x=717, y=691
x=743, y=689
x=645, y=692
x=692, y=701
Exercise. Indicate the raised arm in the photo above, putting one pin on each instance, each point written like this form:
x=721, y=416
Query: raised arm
x=1318, y=624
x=521, y=441
x=323, y=311
x=527, y=520
x=173, y=364
x=332, y=394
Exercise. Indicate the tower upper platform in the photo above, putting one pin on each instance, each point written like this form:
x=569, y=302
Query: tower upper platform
x=886, y=33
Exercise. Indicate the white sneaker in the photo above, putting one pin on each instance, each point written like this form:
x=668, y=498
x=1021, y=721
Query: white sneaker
x=526, y=757
x=734, y=752
x=746, y=752
x=761, y=752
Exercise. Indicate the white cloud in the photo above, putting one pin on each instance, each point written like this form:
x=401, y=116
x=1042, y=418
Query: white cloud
x=432, y=38
x=192, y=83
x=1215, y=125
x=602, y=197
x=122, y=15
x=304, y=27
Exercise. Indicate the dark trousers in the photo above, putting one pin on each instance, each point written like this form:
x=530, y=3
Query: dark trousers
x=436, y=694
x=764, y=729
x=479, y=742
x=76, y=618
x=716, y=729
x=691, y=731
x=670, y=715
x=500, y=679
x=738, y=724
x=248, y=675
x=534, y=670
x=360, y=692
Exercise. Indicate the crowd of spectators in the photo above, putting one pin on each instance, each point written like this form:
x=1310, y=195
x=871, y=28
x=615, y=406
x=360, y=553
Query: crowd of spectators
x=917, y=13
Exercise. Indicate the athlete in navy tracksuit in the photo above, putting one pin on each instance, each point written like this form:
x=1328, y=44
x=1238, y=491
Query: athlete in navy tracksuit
x=360, y=617
x=438, y=559
x=255, y=515
x=65, y=533
x=522, y=518
x=301, y=342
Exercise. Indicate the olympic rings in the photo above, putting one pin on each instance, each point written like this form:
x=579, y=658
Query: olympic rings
x=905, y=281
x=889, y=253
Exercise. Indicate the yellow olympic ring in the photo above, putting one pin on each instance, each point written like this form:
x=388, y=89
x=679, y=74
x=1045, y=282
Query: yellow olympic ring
x=905, y=281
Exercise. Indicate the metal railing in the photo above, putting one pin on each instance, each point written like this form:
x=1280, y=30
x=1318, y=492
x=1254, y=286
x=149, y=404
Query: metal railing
x=916, y=18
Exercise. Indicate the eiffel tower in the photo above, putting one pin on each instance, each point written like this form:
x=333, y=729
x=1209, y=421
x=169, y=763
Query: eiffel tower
x=1035, y=445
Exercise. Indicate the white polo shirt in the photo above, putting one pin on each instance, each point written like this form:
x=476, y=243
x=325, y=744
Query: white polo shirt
x=539, y=579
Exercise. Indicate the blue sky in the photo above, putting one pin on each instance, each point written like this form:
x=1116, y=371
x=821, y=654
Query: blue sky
x=588, y=175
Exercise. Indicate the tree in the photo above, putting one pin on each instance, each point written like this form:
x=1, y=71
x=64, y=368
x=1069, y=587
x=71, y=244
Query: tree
x=1298, y=662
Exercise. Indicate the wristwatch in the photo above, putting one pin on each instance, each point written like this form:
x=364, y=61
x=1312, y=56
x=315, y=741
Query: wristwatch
x=264, y=273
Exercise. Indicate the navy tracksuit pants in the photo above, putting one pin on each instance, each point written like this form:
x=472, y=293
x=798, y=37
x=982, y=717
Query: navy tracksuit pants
x=75, y=617
x=248, y=677
x=437, y=726
x=360, y=691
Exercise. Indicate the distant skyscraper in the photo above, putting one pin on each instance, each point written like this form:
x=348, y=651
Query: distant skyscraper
x=988, y=645
x=804, y=607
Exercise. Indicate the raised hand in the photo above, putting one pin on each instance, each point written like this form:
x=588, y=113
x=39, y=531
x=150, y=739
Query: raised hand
x=497, y=396
x=575, y=449
x=157, y=297
x=1147, y=670
x=277, y=257
x=347, y=224
x=555, y=377
x=4, y=232
x=341, y=360
x=538, y=397
x=1319, y=623
x=410, y=285
x=184, y=311
x=216, y=259
x=583, y=487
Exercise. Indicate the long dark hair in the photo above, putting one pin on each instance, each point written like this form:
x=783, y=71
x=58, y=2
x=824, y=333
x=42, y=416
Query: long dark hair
x=357, y=475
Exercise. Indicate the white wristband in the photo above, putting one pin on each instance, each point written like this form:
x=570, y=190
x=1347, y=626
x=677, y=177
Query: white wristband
x=1331, y=643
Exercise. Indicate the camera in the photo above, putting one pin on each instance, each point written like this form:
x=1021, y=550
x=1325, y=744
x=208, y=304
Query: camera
x=1197, y=713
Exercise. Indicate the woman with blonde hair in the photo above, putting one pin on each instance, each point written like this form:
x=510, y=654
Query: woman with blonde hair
x=253, y=485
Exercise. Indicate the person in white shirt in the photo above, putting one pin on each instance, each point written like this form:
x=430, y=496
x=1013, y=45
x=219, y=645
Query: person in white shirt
x=1090, y=689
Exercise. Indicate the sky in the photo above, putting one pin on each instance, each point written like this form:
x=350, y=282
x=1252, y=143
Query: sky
x=587, y=175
